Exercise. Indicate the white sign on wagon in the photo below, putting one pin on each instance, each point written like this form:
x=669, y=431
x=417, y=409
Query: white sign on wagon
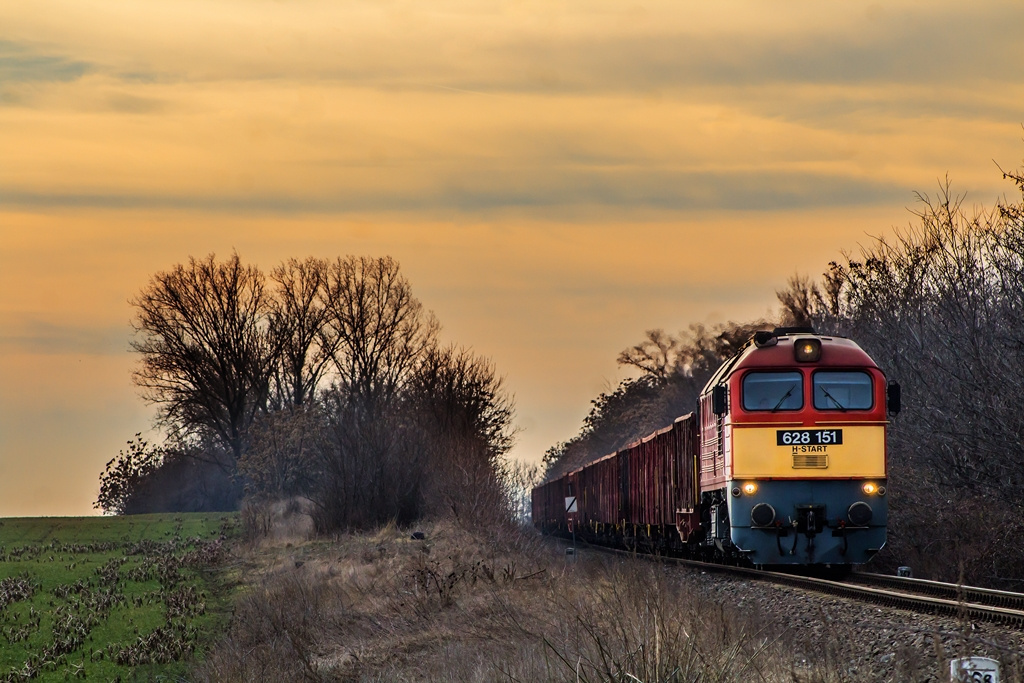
x=570, y=504
x=974, y=670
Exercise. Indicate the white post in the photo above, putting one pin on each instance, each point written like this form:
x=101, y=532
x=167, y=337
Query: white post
x=570, y=508
x=974, y=670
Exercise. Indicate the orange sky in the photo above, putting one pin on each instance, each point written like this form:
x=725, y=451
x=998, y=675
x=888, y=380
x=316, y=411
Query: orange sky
x=554, y=177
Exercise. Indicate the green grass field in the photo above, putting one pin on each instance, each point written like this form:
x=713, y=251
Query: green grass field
x=110, y=598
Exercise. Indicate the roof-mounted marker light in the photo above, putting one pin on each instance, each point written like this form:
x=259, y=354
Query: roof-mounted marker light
x=807, y=350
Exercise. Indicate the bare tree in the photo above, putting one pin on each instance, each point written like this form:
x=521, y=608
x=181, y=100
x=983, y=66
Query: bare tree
x=675, y=370
x=369, y=464
x=300, y=317
x=694, y=351
x=656, y=355
x=368, y=461
x=939, y=305
x=462, y=394
x=802, y=302
x=464, y=417
x=124, y=475
x=521, y=478
x=376, y=329
x=280, y=460
x=403, y=428
x=208, y=347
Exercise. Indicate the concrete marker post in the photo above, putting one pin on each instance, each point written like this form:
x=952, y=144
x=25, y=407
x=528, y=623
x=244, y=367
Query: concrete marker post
x=974, y=670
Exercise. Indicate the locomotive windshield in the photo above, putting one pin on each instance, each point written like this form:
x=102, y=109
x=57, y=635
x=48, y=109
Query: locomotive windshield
x=773, y=391
x=842, y=390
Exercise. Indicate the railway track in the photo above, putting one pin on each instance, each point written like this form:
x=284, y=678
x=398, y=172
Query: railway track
x=931, y=597
x=971, y=595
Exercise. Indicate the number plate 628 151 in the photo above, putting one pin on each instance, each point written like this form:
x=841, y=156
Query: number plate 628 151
x=809, y=437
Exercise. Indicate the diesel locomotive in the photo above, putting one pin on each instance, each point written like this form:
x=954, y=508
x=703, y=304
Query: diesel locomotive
x=782, y=463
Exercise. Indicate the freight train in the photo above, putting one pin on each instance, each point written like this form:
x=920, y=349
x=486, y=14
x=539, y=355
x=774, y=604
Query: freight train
x=782, y=463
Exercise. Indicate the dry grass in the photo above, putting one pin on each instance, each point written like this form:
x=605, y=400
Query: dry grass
x=276, y=522
x=511, y=607
x=385, y=607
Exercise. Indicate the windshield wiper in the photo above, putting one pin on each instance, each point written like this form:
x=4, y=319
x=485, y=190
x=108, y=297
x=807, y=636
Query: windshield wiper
x=783, y=399
x=834, y=399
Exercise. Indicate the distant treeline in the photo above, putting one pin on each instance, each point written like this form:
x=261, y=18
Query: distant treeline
x=322, y=379
x=940, y=307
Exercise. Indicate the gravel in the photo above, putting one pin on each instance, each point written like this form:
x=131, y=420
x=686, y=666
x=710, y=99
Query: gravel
x=834, y=638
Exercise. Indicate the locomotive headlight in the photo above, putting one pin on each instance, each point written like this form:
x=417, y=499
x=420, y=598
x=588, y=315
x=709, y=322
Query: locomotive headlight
x=870, y=488
x=807, y=350
x=750, y=488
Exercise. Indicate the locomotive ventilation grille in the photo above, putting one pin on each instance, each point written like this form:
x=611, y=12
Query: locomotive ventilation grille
x=810, y=461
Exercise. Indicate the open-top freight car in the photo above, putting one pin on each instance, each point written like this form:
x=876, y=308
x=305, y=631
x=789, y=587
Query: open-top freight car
x=642, y=494
x=784, y=463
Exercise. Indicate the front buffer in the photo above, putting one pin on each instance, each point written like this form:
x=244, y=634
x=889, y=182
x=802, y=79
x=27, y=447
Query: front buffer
x=808, y=522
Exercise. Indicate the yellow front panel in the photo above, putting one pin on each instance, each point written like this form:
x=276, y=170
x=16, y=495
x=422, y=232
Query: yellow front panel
x=757, y=454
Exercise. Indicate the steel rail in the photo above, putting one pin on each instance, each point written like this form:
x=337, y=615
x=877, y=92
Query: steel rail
x=950, y=591
x=919, y=595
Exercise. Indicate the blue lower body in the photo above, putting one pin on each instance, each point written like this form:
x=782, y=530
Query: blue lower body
x=808, y=522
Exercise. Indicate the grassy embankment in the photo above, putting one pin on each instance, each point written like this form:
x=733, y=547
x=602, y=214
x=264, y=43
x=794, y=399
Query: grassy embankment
x=109, y=598
x=474, y=604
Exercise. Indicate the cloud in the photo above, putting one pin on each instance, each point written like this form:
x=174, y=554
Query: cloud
x=545, y=48
x=134, y=104
x=911, y=48
x=22, y=334
x=767, y=190
x=19, y=64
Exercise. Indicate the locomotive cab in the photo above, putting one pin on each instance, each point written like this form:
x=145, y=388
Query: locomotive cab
x=793, y=451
